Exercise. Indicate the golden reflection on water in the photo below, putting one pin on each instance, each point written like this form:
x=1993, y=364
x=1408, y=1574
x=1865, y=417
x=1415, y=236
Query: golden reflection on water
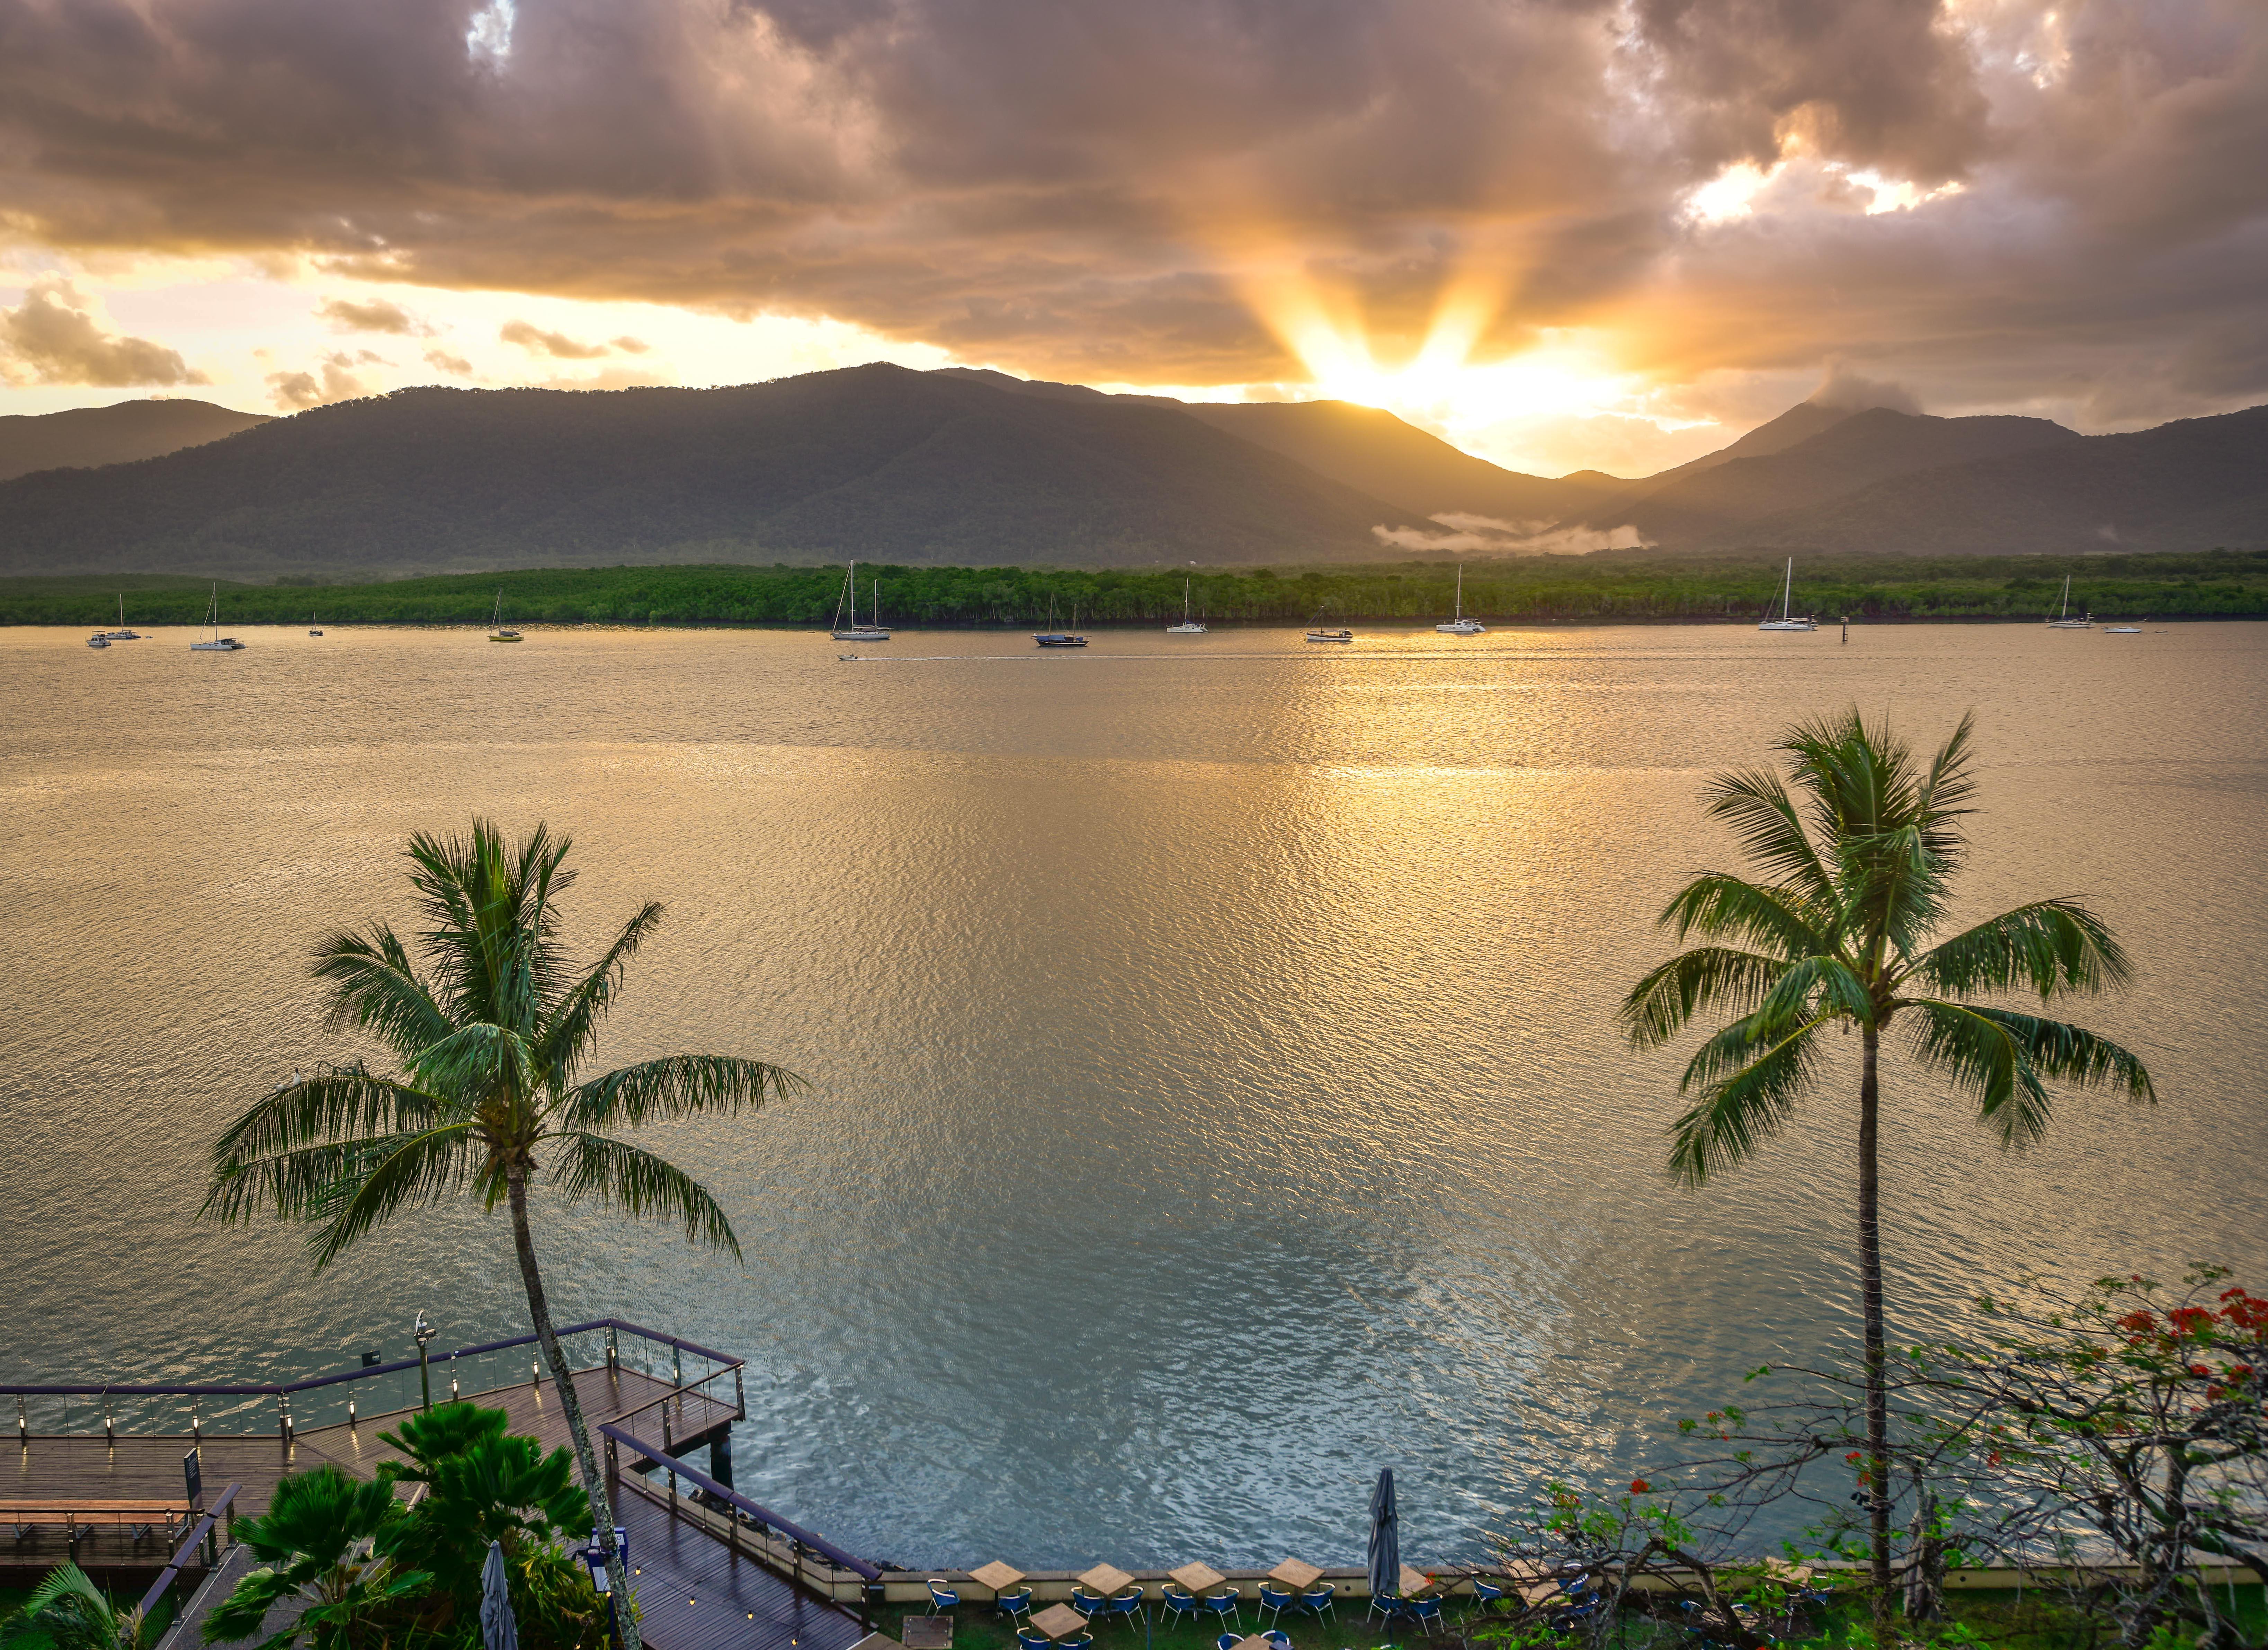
x=1215, y=1092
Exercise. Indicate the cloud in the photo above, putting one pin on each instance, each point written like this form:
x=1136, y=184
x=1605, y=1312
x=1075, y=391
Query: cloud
x=631, y=346
x=1847, y=391
x=51, y=338
x=447, y=363
x=559, y=344
x=295, y=392
x=1186, y=191
x=378, y=315
x=1487, y=535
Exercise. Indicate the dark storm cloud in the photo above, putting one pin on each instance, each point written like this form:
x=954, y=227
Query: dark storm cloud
x=1086, y=189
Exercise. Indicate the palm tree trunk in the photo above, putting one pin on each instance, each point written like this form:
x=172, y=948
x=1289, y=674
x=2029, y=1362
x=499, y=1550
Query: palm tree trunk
x=1870, y=1290
x=562, y=1383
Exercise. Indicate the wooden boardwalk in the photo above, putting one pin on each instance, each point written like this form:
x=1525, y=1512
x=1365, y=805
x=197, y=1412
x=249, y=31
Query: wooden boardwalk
x=695, y=1590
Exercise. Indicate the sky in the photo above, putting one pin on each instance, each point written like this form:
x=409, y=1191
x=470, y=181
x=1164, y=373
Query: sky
x=1560, y=233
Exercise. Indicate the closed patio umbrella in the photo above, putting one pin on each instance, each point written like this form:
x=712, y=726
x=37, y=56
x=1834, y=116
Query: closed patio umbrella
x=498, y=1630
x=1385, y=1539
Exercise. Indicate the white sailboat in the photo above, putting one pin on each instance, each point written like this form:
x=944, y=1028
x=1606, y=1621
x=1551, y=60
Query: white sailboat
x=1188, y=626
x=1461, y=625
x=122, y=634
x=856, y=631
x=2062, y=620
x=1317, y=633
x=1787, y=620
x=497, y=632
x=217, y=643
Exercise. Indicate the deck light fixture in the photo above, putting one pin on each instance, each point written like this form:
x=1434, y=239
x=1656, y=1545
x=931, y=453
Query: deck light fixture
x=423, y=1333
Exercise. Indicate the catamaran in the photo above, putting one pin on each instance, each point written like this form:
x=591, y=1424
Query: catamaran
x=2062, y=620
x=313, y=629
x=122, y=634
x=217, y=643
x=1787, y=620
x=1461, y=625
x=1188, y=626
x=497, y=632
x=856, y=631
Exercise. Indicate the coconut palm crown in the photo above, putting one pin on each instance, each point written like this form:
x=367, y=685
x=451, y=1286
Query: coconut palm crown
x=490, y=1036
x=1857, y=859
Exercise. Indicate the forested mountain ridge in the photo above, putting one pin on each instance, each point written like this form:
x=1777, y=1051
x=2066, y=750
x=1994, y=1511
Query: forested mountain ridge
x=872, y=461
x=87, y=436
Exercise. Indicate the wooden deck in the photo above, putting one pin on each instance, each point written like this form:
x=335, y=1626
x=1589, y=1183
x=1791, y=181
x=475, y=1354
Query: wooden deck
x=695, y=1592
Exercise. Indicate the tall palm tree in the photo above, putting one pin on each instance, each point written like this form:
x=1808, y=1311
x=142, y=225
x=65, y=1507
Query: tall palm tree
x=1856, y=861
x=491, y=1038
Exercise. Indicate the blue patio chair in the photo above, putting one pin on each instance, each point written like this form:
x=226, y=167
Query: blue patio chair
x=1088, y=1604
x=1425, y=1612
x=1321, y=1600
x=1274, y=1601
x=1227, y=1604
x=1033, y=1638
x=1077, y=1641
x=1015, y=1604
x=1181, y=1604
x=1487, y=1594
x=1386, y=1607
x=941, y=1596
x=1228, y=1641
x=1128, y=1604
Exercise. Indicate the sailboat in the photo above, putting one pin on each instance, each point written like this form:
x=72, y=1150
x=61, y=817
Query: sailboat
x=1787, y=620
x=1461, y=625
x=2062, y=620
x=858, y=632
x=497, y=632
x=314, y=631
x=1316, y=633
x=122, y=634
x=1053, y=638
x=1188, y=626
x=217, y=643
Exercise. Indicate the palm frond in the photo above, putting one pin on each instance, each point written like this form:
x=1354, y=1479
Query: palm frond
x=481, y=1059
x=1763, y=816
x=385, y=1176
x=1729, y=907
x=1977, y=1045
x=619, y=1175
x=676, y=1086
x=571, y=1025
x=296, y=1184
x=339, y=1104
x=1743, y=1102
x=374, y=988
x=1663, y=1004
x=2052, y=947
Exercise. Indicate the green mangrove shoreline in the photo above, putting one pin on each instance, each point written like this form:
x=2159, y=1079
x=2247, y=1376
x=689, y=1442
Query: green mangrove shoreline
x=1624, y=589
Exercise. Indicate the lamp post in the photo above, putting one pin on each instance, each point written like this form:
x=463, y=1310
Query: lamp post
x=422, y=1332
x=595, y=1557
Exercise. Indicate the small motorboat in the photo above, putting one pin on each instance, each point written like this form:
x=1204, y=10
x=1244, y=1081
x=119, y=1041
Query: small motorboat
x=97, y=640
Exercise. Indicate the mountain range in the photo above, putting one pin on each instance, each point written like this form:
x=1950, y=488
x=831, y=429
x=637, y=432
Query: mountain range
x=976, y=468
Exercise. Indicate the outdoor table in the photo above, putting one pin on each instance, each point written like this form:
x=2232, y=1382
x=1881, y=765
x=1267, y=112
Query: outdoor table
x=1414, y=1581
x=1257, y=1641
x=1297, y=1576
x=1106, y=1578
x=1780, y=1570
x=1198, y=1578
x=1059, y=1621
x=997, y=1576
x=1536, y=1591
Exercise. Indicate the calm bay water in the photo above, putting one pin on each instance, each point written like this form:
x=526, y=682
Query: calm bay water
x=1214, y=1090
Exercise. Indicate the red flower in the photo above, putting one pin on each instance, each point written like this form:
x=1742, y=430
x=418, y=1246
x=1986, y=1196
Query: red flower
x=2199, y=1370
x=2138, y=1322
x=1853, y=1455
x=1640, y=1486
x=2189, y=1320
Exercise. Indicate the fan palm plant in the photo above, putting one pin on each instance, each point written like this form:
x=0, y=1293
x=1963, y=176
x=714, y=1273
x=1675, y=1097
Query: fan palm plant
x=323, y=1540
x=1858, y=859
x=77, y=1615
x=490, y=1037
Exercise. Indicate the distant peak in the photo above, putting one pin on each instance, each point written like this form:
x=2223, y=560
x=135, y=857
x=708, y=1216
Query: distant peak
x=1843, y=390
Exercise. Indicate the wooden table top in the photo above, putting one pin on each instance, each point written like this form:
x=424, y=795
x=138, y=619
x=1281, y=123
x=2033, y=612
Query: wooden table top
x=1106, y=1578
x=1257, y=1641
x=1291, y=1572
x=998, y=1576
x=1536, y=1591
x=1414, y=1581
x=70, y=1504
x=1197, y=1577
x=1059, y=1621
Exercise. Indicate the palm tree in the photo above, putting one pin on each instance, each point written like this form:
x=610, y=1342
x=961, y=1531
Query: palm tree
x=322, y=1541
x=490, y=1039
x=1839, y=934
x=77, y=1615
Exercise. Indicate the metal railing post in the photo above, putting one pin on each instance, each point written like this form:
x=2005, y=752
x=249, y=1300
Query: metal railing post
x=740, y=1396
x=22, y=1424
x=283, y=1418
x=668, y=1450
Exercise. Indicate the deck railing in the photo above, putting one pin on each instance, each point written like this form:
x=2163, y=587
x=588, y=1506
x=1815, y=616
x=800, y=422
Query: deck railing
x=186, y=1551
x=766, y=1522
x=223, y=1409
